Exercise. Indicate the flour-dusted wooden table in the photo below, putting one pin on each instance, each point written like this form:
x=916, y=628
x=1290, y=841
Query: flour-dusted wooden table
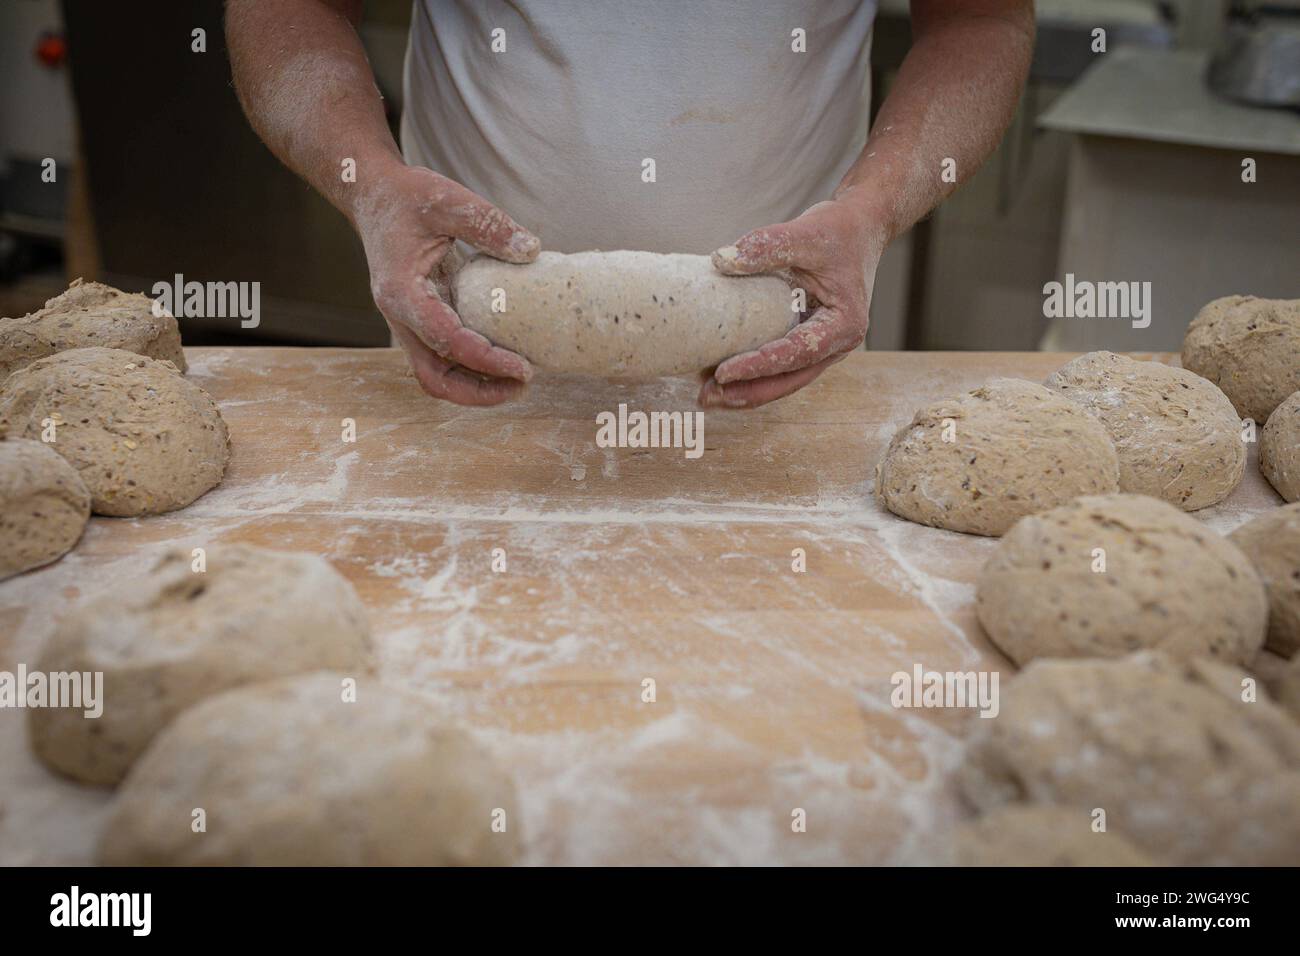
x=772, y=687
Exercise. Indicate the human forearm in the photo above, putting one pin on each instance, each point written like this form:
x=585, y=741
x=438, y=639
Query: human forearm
x=953, y=98
x=304, y=81
x=308, y=90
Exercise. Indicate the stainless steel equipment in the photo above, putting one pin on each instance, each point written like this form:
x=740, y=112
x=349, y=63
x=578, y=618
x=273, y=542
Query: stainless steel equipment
x=1258, y=61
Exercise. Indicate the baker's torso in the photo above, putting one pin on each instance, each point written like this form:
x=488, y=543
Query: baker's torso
x=557, y=126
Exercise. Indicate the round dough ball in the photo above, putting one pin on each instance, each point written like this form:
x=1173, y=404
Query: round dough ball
x=144, y=439
x=1279, y=449
x=291, y=775
x=1272, y=543
x=1177, y=436
x=1169, y=583
x=623, y=314
x=1248, y=347
x=980, y=462
x=1185, y=768
x=1029, y=835
x=89, y=314
x=44, y=506
x=175, y=636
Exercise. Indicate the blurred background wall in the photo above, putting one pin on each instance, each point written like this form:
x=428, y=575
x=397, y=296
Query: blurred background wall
x=174, y=179
x=159, y=173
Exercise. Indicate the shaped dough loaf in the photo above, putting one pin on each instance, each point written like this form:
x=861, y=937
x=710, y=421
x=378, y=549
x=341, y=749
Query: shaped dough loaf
x=144, y=439
x=44, y=506
x=1177, y=436
x=1272, y=543
x=1248, y=347
x=980, y=462
x=1185, y=769
x=290, y=774
x=628, y=315
x=90, y=314
x=173, y=637
x=1279, y=449
x=1166, y=582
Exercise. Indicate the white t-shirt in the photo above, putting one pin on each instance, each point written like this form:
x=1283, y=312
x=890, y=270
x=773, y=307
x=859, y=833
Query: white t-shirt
x=556, y=128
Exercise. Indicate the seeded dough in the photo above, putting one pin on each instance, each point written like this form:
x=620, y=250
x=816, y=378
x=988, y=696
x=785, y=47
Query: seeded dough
x=1248, y=347
x=1029, y=835
x=144, y=439
x=1169, y=583
x=289, y=774
x=1177, y=436
x=628, y=315
x=1279, y=449
x=169, y=639
x=1185, y=768
x=89, y=314
x=1017, y=448
x=1272, y=543
x=44, y=506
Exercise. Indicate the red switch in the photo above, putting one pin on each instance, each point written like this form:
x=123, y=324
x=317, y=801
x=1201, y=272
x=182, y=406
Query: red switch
x=52, y=50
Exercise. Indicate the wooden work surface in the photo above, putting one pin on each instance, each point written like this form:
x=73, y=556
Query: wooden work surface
x=622, y=564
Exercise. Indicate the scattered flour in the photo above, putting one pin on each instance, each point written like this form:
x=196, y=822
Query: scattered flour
x=547, y=677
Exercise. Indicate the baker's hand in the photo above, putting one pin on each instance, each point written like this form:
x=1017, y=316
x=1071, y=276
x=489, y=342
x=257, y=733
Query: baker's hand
x=831, y=251
x=408, y=221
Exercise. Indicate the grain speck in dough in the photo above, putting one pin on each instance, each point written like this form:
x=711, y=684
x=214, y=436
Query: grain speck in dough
x=1272, y=543
x=1183, y=767
x=624, y=314
x=144, y=439
x=1177, y=436
x=44, y=506
x=1169, y=583
x=174, y=636
x=1016, y=448
x=89, y=314
x=1030, y=835
x=290, y=774
x=1279, y=449
x=1248, y=347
